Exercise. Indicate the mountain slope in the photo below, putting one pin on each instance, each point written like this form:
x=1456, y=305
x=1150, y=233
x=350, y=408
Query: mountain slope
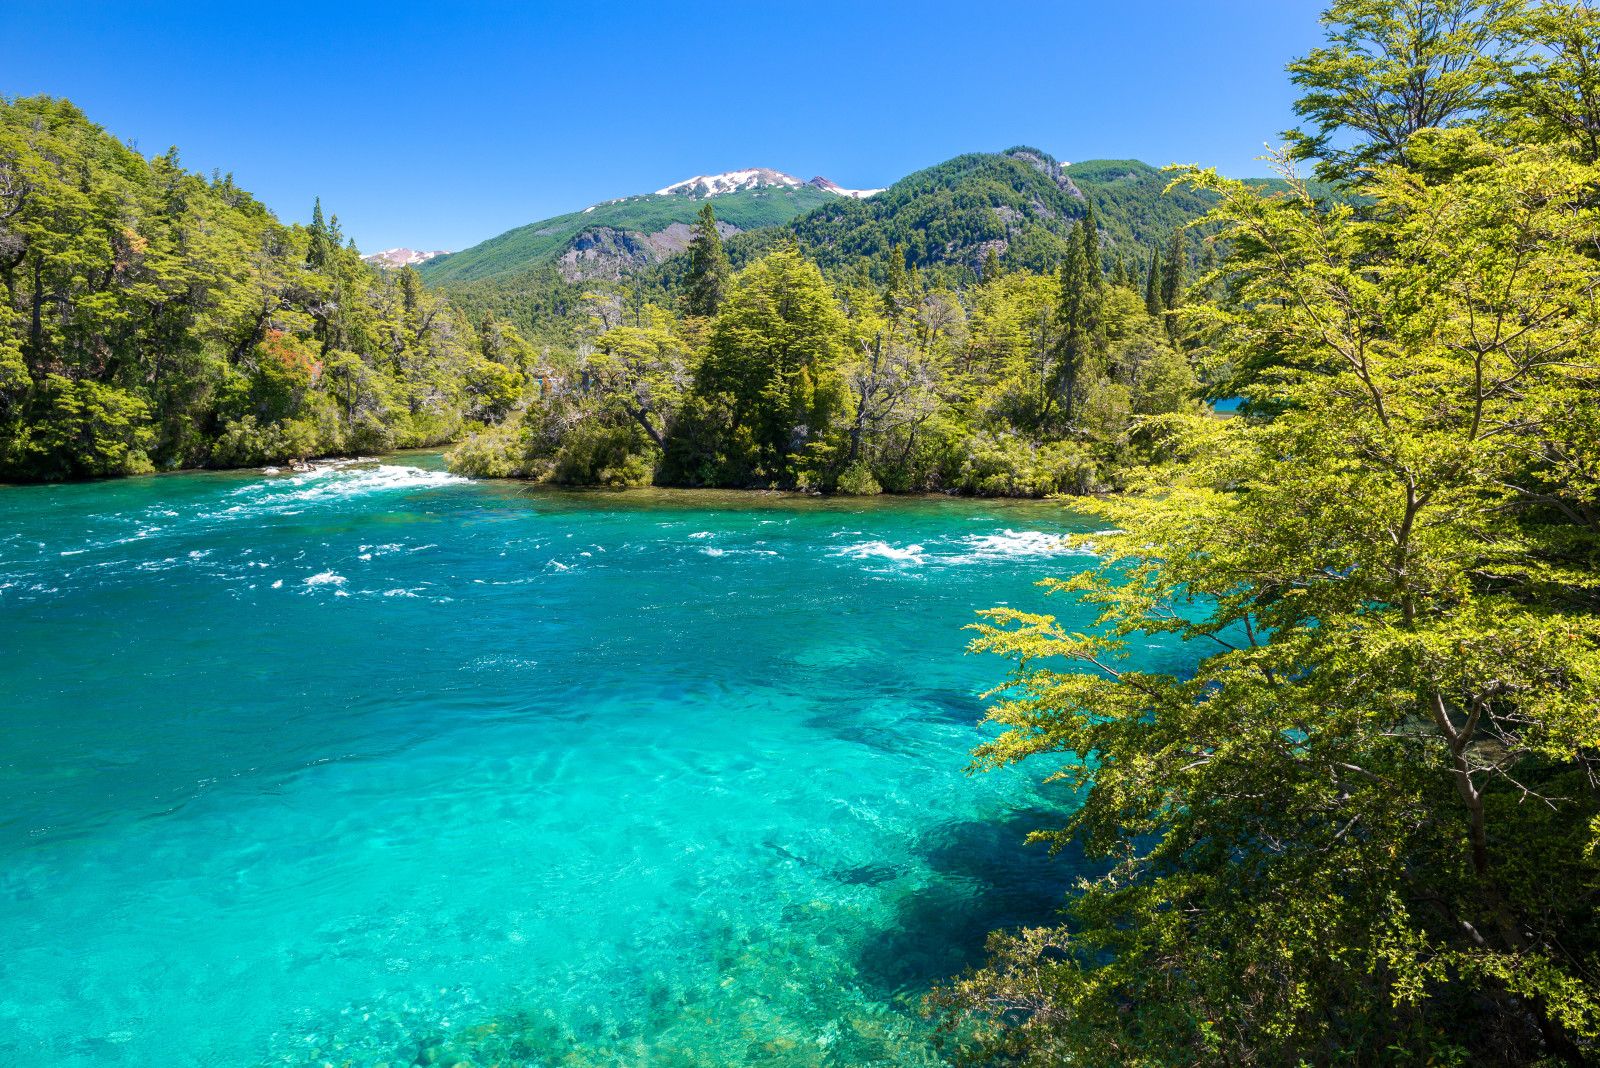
x=1021, y=203
x=607, y=238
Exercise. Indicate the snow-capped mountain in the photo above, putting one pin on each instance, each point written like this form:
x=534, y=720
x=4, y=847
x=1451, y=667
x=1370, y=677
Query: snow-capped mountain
x=399, y=257
x=711, y=185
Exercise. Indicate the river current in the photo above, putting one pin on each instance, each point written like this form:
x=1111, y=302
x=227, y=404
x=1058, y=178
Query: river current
x=375, y=765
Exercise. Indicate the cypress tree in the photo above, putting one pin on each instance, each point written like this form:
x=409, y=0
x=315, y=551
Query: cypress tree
x=991, y=265
x=410, y=287
x=896, y=285
x=1172, y=270
x=1080, y=318
x=1119, y=273
x=706, y=283
x=1152, y=288
x=1208, y=263
x=1089, y=234
x=317, y=254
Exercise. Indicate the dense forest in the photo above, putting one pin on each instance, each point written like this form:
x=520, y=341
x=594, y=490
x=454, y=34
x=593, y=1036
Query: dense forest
x=1365, y=828
x=156, y=319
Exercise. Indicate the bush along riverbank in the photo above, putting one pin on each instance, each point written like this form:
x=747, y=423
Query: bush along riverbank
x=157, y=319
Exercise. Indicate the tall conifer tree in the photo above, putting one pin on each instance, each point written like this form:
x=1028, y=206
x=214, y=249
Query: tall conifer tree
x=895, y=289
x=317, y=254
x=1172, y=271
x=1152, y=288
x=1089, y=234
x=1081, y=321
x=706, y=284
x=991, y=265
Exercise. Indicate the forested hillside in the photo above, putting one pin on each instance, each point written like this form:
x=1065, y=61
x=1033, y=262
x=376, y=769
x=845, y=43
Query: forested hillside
x=155, y=318
x=540, y=243
x=1020, y=205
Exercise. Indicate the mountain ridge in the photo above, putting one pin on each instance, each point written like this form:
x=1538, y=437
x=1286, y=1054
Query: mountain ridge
x=607, y=238
x=401, y=257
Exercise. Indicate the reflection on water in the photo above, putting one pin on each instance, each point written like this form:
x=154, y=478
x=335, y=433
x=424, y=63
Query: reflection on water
x=374, y=765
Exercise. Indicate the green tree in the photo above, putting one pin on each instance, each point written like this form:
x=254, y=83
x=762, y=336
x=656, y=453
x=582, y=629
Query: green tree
x=1391, y=68
x=1365, y=828
x=1082, y=336
x=894, y=289
x=154, y=317
x=773, y=357
x=991, y=265
x=1153, y=288
x=1551, y=94
x=322, y=241
x=705, y=286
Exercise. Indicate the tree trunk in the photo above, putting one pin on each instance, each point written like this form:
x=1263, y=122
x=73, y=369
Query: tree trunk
x=643, y=416
x=36, y=334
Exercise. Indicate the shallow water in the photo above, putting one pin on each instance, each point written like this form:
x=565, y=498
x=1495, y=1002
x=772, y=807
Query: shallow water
x=376, y=765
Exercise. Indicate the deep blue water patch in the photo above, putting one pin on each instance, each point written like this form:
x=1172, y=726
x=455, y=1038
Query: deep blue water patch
x=375, y=765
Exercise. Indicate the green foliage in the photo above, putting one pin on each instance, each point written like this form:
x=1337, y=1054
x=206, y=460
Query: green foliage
x=1016, y=386
x=1551, y=94
x=154, y=318
x=83, y=430
x=857, y=481
x=1391, y=69
x=773, y=358
x=1364, y=829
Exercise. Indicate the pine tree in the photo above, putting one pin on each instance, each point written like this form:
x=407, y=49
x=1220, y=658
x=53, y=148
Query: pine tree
x=706, y=284
x=1152, y=288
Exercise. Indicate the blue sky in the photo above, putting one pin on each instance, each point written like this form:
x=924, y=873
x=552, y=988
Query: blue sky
x=437, y=126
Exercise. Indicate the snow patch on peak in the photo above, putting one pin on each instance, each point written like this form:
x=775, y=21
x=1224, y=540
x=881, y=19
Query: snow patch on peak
x=710, y=185
x=400, y=257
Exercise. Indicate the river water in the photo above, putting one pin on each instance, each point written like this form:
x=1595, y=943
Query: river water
x=379, y=766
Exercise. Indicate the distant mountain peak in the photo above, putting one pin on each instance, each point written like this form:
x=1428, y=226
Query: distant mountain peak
x=711, y=185
x=400, y=257
x=838, y=190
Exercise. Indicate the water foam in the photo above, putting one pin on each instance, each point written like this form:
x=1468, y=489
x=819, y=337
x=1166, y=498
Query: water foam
x=1014, y=543
x=340, y=482
x=868, y=550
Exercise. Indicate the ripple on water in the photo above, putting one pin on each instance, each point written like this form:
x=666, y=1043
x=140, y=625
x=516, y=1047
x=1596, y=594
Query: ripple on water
x=554, y=783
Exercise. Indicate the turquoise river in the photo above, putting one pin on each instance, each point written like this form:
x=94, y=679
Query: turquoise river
x=374, y=765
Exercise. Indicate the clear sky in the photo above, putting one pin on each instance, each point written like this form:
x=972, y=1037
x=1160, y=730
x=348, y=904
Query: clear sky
x=440, y=125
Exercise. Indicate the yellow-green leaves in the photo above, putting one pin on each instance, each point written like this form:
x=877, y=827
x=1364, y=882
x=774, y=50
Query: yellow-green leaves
x=1361, y=829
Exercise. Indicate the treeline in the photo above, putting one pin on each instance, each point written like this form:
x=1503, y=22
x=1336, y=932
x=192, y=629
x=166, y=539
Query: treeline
x=1365, y=828
x=156, y=319
x=1024, y=383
